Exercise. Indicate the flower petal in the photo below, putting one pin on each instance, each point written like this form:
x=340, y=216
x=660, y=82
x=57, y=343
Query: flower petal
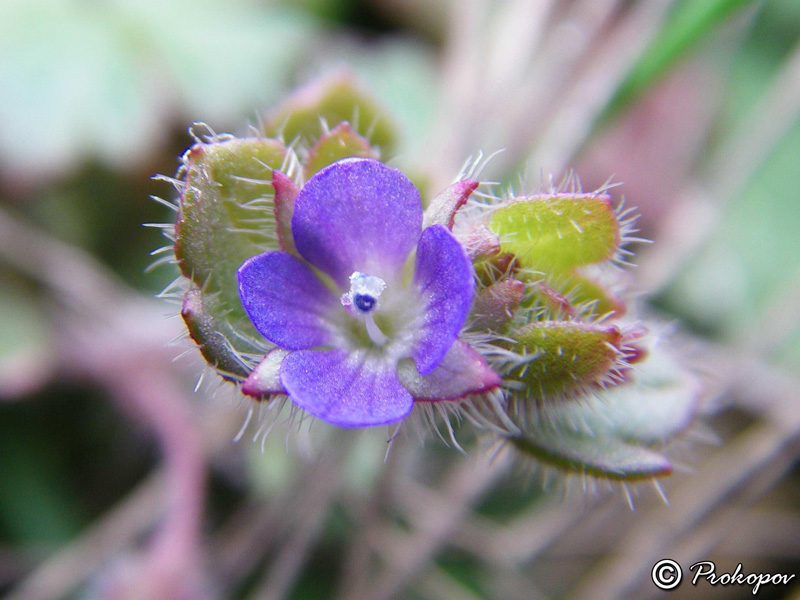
x=345, y=389
x=357, y=214
x=462, y=372
x=285, y=300
x=445, y=279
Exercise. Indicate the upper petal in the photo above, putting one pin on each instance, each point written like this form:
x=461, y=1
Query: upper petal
x=446, y=283
x=357, y=214
x=345, y=389
x=285, y=300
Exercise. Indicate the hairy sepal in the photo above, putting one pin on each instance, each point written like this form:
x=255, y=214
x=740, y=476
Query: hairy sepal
x=443, y=208
x=264, y=380
x=559, y=358
x=285, y=193
x=588, y=294
x=462, y=372
x=479, y=242
x=214, y=337
x=495, y=305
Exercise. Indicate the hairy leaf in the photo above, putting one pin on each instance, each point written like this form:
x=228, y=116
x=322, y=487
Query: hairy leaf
x=555, y=232
x=226, y=214
x=563, y=356
x=599, y=456
x=657, y=404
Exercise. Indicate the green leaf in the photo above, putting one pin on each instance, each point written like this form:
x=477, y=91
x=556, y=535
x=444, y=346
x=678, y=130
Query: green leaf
x=564, y=356
x=686, y=27
x=333, y=99
x=341, y=142
x=226, y=214
x=609, y=433
x=25, y=344
x=555, y=232
x=602, y=457
x=657, y=404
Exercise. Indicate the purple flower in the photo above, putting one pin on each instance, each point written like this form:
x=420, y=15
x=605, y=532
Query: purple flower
x=364, y=324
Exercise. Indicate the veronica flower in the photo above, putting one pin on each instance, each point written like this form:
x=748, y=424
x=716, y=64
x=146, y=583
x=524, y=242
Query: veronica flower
x=366, y=319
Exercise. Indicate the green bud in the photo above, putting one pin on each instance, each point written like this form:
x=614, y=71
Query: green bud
x=340, y=142
x=332, y=100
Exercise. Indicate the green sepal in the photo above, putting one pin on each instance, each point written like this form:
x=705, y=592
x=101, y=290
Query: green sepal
x=226, y=215
x=553, y=304
x=332, y=100
x=556, y=232
x=213, y=335
x=609, y=458
x=587, y=292
x=564, y=356
x=340, y=142
x=495, y=305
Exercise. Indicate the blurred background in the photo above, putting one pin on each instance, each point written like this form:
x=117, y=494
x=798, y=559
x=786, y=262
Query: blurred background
x=119, y=479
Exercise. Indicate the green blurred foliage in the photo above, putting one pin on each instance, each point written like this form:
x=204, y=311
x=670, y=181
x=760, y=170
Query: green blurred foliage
x=103, y=78
x=753, y=259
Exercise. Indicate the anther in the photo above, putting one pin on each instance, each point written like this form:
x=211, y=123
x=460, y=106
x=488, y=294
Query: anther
x=365, y=291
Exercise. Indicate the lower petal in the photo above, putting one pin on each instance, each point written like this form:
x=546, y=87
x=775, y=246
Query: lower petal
x=285, y=300
x=345, y=389
x=462, y=372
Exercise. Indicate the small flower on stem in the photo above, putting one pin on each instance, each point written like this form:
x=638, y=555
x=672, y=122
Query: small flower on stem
x=367, y=334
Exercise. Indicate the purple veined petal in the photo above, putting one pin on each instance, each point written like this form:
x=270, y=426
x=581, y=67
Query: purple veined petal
x=461, y=372
x=285, y=300
x=345, y=389
x=445, y=279
x=357, y=214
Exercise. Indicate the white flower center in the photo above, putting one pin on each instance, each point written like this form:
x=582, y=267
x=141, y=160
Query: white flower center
x=363, y=299
x=365, y=291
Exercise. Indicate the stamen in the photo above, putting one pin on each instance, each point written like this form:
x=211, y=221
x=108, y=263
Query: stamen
x=375, y=334
x=362, y=299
